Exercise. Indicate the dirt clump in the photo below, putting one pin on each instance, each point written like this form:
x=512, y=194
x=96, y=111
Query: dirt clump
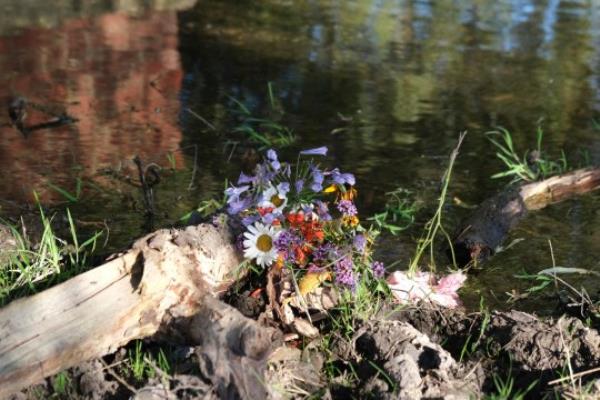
x=409, y=365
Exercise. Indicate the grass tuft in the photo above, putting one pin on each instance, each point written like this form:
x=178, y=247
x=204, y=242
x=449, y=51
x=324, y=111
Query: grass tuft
x=532, y=166
x=53, y=259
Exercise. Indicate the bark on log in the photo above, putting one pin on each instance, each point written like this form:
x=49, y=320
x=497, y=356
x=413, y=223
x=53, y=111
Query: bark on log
x=484, y=230
x=166, y=275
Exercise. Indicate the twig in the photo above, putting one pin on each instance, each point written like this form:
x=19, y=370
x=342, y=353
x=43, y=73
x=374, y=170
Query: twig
x=118, y=378
x=157, y=369
x=574, y=376
x=113, y=364
x=193, y=179
x=195, y=114
x=567, y=351
x=147, y=186
x=165, y=377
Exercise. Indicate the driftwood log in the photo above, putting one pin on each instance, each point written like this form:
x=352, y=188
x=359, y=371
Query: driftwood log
x=486, y=228
x=166, y=277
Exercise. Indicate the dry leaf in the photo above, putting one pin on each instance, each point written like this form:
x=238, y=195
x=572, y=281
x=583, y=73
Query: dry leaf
x=312, y=280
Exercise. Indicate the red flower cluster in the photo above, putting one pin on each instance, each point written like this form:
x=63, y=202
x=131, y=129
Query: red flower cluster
x=310, y=230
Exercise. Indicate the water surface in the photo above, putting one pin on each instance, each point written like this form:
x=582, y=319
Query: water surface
x=387, y=85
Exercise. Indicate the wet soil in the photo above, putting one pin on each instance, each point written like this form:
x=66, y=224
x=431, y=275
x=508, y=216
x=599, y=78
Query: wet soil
x=413, y=353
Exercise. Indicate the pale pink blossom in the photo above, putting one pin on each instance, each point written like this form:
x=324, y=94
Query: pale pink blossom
x=422, y=286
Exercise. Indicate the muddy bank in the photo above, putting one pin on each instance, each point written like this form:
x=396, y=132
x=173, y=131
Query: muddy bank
x=411, y=353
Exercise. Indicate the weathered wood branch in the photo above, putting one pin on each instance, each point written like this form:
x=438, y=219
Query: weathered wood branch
x=165, y=276
x=484, y=230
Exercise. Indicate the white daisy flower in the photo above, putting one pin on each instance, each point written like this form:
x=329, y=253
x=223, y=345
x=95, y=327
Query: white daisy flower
x=259, y=244
x=274, y=198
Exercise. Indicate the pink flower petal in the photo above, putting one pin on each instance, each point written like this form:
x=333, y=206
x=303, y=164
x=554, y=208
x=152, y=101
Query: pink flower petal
x=421, y=286
x=406, y=288
x=451, y=283
x=445, y=300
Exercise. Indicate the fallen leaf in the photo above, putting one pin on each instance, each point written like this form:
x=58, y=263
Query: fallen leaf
x=312, y=280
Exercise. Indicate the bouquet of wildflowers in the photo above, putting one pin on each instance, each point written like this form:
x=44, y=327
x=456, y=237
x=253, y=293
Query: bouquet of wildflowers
x=303, y=218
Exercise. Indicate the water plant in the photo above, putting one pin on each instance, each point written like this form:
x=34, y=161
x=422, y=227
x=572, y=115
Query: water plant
x=260, y=132
x=435, y=226
x=398, y=214
x=532, y=165
x=415, y=285
x=207, y=207
x=71, y=197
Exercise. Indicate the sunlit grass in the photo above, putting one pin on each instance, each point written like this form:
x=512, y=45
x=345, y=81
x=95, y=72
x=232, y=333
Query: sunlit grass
x=27, y=265
x=531, y=166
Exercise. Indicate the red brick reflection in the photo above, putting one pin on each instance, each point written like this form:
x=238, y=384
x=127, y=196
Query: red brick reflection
x=119, y=75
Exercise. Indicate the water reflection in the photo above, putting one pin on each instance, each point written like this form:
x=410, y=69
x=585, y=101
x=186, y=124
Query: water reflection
x=387, y=85
x=118, y=73
x=409, y=75
x=413, y=72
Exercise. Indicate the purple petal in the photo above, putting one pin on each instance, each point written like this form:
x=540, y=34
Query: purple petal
x=283, y=188
x=271, y=155
x=275, y=165
x=299, y=185
x=317, y=175
x=359, y=242
x=268, y=218
x=316, y=187
x=233, y=192
x=238, y=205
x=318, y=151
x=322, y=210
x=342, y=178
x=250, y=219
x=245, y=179
x=349, y=178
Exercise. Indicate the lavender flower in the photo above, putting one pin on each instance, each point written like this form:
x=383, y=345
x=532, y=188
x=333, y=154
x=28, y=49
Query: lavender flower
x=272, y=157
x=270, y=217
x=237, y=205
x=348, y=208
x=324, y=252
x=299, y=185
x=233, y=193
x=283, y=188
x=318, y=178
x=315, y=268
x=342, y=178
x=359, y=242
x=245, y=179
x=322, y=210
x=285, y=240
x=250, y=219
x=306, y=208
x=344, y=273
x=378, y=269
x=271, y=154
x=318, y=151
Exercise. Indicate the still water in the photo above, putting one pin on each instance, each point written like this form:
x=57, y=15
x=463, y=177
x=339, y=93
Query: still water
x=387, y=85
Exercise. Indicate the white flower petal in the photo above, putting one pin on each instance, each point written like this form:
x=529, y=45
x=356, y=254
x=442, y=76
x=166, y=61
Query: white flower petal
x=252, y=252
